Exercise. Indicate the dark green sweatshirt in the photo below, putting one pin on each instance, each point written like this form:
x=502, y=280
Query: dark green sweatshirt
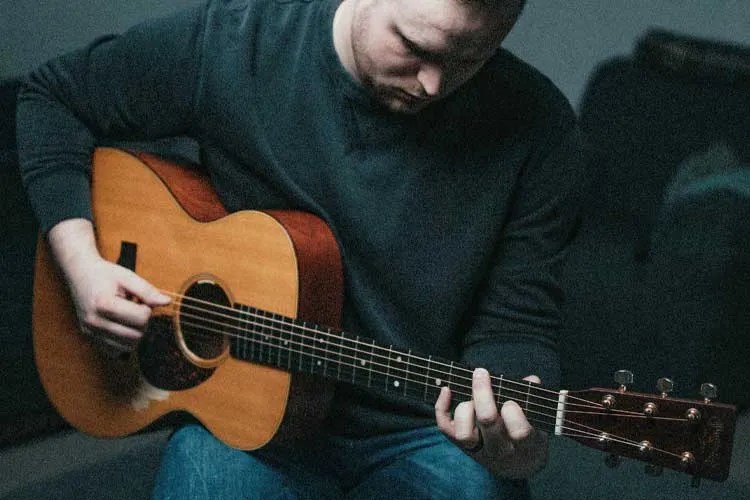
x=452, y=223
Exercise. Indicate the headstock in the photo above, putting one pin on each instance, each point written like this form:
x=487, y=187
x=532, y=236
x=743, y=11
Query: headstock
x=691, y=436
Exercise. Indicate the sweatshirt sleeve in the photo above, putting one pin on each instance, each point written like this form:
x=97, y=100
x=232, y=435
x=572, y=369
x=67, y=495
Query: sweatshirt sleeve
x=140, y=85
x=514, y=329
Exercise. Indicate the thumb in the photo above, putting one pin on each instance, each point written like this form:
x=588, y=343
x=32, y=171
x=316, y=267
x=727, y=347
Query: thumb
x=143, y=291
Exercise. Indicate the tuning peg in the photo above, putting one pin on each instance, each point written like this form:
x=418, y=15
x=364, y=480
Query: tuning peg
x=623, y=378
x=664, y=386
x=654, y=470
x=709, y=392
x=612, y=461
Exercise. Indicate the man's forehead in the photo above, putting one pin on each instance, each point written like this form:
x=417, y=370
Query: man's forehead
x=451, y=25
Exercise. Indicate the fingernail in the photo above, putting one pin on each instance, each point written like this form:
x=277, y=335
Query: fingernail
x=481, y=373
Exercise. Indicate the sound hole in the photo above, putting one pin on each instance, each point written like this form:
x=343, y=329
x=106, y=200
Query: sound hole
x=204, y=320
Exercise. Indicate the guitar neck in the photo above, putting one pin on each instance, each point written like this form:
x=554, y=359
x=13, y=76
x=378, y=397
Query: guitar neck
x=298, y=346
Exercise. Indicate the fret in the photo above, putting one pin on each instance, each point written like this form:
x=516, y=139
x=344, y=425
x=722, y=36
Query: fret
x=236, y=341
x=327, y=342
x=417, y=377
x=435, y=379
x=286, y=342
x=307, y=352
x=397, y=366
x=357, y=360
x=500, y=391
x=339, y=361
x=319, y=363
x=528, y=392
x=272, y=339
x=283, y=342
x=344, y=356
x=244, y=339
x=320, y=352
x=251, y=329
x=428, y=378
x=369, y=364
x=360, y=362
x=260, y=335
x=279, y=339
x=267, y=337
x=406, y=377
x=347, y=357
x=247, y=340
x=301, y=349
x=388, y=368
x=379, y=367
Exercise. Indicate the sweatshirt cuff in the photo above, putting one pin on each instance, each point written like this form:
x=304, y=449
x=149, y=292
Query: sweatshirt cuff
x=60, y=196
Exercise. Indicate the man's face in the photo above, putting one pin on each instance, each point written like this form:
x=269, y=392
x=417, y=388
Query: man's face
x=410, y=53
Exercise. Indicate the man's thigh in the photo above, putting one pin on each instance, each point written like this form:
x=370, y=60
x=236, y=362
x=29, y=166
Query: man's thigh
x=196, y=465
x=425, y=465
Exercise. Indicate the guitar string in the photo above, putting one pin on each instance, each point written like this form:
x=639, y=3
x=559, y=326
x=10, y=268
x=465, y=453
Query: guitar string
x=392, y=369
x=588, y=405
x=567, y=430
x=392, y=372
x=408, y=372
x=582, y=430
x=430, y=361
x=341, y=354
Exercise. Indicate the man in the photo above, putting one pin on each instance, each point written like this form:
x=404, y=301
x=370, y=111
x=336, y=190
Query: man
x=445, y=167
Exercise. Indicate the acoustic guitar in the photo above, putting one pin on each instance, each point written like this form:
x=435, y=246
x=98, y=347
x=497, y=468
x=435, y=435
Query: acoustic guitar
x=251, y=292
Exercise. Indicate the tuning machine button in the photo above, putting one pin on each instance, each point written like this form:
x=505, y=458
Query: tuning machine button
x=664, y=386
x=623, y=378
x=709, y=392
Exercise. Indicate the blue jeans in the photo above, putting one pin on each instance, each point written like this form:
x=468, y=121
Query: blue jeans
x=416, y=464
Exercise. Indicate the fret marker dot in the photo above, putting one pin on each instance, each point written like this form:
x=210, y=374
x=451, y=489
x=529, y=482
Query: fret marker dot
x=438, y=381
x=319, y=363
x=398, y=359
x=396, y=383
x=363, y=362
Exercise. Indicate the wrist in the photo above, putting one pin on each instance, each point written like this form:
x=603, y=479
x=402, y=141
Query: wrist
x=72, y=241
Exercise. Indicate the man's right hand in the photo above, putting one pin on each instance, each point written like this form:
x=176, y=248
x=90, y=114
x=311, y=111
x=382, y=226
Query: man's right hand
x=113, y=304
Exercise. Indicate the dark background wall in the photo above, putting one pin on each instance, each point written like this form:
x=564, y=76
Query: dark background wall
x=566, y=40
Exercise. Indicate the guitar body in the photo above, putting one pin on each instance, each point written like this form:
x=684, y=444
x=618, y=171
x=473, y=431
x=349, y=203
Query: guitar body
x=166, y=224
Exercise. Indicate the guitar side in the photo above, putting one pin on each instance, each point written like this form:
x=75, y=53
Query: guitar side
x=251, y=255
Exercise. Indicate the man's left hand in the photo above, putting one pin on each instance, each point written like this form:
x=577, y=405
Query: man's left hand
x=502, y=440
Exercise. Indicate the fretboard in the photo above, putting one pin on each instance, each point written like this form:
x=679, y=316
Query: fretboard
x=297, y=346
